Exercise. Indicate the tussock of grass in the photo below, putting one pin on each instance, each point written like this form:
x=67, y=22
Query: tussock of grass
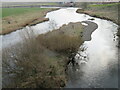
x=63, y=40
x=61, y=43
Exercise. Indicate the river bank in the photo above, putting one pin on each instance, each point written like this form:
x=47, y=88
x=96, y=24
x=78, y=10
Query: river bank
x=102, y=11
x=107, y=12
x=22, y=17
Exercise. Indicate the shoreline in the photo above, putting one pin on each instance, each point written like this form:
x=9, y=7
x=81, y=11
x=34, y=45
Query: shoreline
x=88, y=30
x=32, y=22
x=105, y=18
x=27, y=24
x=93, y=15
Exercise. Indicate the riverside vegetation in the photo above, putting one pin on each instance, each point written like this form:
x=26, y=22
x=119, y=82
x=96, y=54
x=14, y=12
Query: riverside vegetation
x=104, y=11
x=17, y=18
x=42, y=62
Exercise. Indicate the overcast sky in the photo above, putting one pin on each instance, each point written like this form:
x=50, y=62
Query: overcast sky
x=52, y=0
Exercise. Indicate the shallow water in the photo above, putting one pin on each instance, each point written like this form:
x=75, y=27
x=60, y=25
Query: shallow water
x=99, y=68
x=97, y=63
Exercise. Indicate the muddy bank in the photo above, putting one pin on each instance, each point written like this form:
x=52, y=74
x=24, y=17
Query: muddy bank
x=13, y=23
x=91, y=27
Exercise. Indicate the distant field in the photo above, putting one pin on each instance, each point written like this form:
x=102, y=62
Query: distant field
x=27, y=3
x=17, y=11
x=17, y=18
x=103, y=5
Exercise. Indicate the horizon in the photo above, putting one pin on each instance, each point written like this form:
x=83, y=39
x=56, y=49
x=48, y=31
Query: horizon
x=59, y=0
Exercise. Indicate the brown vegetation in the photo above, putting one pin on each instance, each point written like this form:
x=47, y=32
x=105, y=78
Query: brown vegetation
x=108, y=15
x=12, y=23
x=41, y=62
x=62, y=40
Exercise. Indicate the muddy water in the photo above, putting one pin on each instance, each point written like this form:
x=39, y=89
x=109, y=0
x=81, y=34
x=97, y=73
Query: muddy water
x=97, y=63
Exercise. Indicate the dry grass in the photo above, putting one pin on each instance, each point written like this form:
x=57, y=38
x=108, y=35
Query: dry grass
x=41, y=62
x=61, y=43
x=63, y=40
x=34, y=66
x=15, y=22
x=106, y=15
x=102, y=11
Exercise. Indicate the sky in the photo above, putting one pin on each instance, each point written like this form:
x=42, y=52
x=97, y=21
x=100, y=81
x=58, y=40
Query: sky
x=53, y=0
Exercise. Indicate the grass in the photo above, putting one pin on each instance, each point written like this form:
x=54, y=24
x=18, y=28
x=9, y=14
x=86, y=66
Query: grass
x=105, y=11
x=17, y=18
x=103, y=5
x=30, y=4
x=17, y=11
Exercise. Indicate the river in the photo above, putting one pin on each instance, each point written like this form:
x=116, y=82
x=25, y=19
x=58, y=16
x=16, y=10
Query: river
x=97, y=64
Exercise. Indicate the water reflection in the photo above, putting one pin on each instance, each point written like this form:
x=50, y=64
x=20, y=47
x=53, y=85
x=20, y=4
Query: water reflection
x=98, y=58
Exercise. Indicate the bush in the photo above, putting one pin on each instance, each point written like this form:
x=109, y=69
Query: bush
x=31, y=65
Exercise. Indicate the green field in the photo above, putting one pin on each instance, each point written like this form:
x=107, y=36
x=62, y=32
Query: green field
x=17, y=11
x=103, y=5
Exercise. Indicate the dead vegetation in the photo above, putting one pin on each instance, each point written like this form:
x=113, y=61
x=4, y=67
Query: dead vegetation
x=41, y=62
x=12, y=23
x=103, y=12
x=33, y=66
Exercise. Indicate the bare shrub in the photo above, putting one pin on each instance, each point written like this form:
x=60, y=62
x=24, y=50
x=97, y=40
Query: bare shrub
x=29, y=64
x=41, y=62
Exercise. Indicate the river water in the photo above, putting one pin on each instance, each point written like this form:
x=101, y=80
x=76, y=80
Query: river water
x=97, y=63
